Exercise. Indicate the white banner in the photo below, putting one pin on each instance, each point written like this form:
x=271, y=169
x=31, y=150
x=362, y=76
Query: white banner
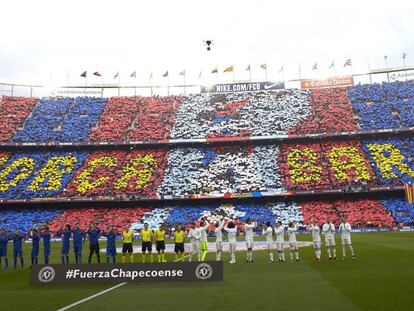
x=402, y=75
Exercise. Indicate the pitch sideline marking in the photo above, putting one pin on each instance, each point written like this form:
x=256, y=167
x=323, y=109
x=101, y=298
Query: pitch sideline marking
x=91, y=297
x=99, y=293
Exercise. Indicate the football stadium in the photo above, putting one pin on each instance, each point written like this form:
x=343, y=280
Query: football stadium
x=176, y=156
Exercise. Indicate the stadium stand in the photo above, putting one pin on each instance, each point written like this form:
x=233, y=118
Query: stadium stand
x=363, y=212
x=26, y=218
x=359, y=212
x=136, y=119
x=14, y=111
x=383, y=106
x=400, y=210
x=61, y=119
x=221, y=170
x=331, y=112
x=119, y=218
x=262, y=114
x=247, y=169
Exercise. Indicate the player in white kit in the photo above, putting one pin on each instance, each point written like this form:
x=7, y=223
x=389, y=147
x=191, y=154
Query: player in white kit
x=328, y=229
x=203, y=238
x=314, y=230
x=280, y=240
x=194, y=234
x=231, y=230
x=268, y=233
x=248, y=232
x=293, y=244
x=345, y=231
x=219, y=239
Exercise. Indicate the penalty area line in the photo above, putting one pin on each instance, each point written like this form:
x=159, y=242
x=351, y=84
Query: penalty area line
x=98, y=294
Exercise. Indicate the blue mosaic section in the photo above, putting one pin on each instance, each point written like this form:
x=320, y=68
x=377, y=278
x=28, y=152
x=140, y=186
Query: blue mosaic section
x=62, y=120
x=383, y=106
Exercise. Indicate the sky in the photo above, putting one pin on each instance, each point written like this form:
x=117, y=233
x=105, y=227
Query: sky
x=53, y=42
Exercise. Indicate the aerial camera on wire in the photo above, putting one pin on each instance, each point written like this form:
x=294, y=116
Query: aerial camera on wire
x=208, y=44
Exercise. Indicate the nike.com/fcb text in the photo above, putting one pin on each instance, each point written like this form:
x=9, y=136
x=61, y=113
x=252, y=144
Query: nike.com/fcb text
x=139, y=272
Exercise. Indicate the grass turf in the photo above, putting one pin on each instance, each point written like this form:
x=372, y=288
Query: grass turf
x=380, y=278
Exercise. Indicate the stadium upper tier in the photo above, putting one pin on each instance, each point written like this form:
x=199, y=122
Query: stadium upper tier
x=208, y=171
x=208, y=116
x=359, y=212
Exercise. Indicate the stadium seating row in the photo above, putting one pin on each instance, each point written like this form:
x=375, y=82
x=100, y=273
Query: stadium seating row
x=247, y=169
x=359, y=212
x=291, y=111
x=383, y=106
x=61, y=119
x=14, y=111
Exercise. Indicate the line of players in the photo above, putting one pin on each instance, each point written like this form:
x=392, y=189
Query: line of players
x=279, y=231
x=198, y=236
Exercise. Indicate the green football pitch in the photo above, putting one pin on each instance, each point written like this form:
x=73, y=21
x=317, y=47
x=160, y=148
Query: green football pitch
x=381, y=278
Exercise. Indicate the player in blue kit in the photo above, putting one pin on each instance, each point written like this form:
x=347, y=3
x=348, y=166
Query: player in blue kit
x=18, y=248
x=34, y=258
x=4, y=239
x=46, y=235
x=110, y=244
x=93, y=234
x=65, y=234
x=79, y=237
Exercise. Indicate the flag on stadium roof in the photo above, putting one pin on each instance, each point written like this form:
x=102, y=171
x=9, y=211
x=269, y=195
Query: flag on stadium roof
x=117, y=75
x=281, y=69
x=215, y=70
x=199, y=75
x=134, y=74
x=348, y=62
x=332, y=64
x=404, y=55
x=83, y=74
x=248, y=67
x=96, y=73
x=165, y=74
x=315, y=66
x=150, y=76
x=263, y=66
x=229, y=69
x=182, y=73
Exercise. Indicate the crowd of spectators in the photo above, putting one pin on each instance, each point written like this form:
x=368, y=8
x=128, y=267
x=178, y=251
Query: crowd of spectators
x=23, y=219
x=240, y=114
x=221, y=170
x=363, y=212
x=38, y=174
x=358, y=212
x=265, y=113
x=136, y=119
x=331, y=112
x=326, y=165
x=211, y=170
x=383, y=106
x=61, y=120
x=119, y=218
x=14, y=111
x=392, y=159
x=400, y=210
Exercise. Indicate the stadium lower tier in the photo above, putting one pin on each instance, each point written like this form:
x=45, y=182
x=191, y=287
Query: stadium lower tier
x=208, y=116
x=220, y=171
x=358, y=212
